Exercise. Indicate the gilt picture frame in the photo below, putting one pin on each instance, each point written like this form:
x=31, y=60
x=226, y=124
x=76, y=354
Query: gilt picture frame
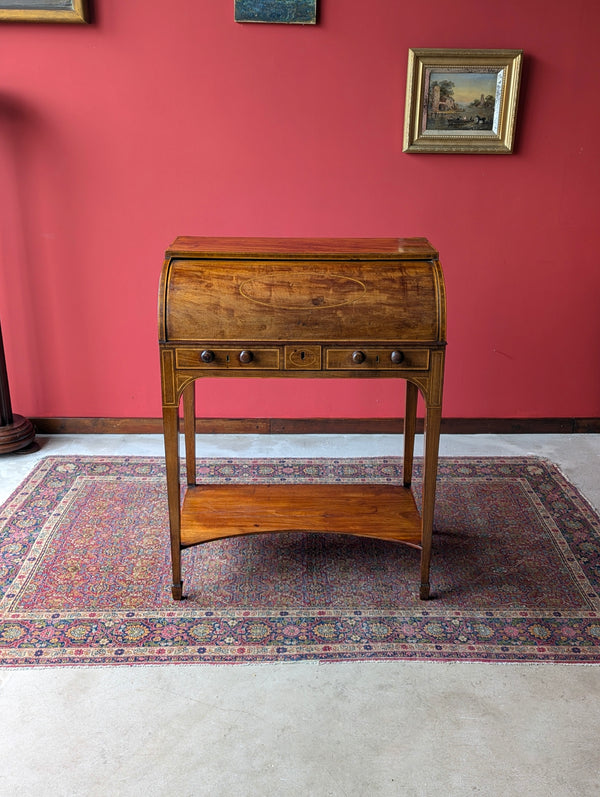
x=44, y=11
x=461, y=101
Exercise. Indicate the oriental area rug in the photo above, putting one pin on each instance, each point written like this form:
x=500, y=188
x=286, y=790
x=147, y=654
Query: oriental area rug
x=85, y=571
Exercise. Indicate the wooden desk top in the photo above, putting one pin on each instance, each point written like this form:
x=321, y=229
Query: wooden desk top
x=304, y=248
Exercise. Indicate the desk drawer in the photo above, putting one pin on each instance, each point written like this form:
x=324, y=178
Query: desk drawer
x=213, y=358
x=387, y=358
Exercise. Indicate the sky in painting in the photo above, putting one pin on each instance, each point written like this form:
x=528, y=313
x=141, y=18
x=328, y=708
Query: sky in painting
x=468, y=86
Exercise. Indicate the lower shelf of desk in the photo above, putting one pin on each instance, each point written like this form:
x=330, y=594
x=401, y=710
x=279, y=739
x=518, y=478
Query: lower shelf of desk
x=382, y=511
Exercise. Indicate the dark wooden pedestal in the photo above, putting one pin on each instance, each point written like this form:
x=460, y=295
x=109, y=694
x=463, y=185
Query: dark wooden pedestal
x=16, y=433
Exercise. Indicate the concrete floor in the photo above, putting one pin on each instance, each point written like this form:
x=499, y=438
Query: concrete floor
x=304, y=728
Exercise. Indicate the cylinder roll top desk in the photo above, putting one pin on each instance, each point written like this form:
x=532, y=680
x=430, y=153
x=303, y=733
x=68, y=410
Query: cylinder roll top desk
x=301, y=308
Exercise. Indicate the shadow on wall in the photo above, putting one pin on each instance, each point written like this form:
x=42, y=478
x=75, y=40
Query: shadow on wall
x=35, y=202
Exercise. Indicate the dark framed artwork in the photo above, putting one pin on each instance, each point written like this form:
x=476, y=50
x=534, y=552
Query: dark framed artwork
x=461, y=100
x=43, y=11
x=290, y=12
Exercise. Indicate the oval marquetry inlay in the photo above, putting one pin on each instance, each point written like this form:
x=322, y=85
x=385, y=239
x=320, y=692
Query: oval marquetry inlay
x=302, y=290
x=305, y=358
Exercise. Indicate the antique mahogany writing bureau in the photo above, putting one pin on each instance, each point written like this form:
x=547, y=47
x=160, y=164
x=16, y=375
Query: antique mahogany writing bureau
x=301, y=308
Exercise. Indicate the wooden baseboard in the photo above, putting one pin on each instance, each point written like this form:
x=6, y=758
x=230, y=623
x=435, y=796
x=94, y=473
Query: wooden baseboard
x=319, y=425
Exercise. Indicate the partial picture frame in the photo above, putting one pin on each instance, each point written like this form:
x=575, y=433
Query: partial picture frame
x=285, y=12
x=44, y=11
x=461, y=101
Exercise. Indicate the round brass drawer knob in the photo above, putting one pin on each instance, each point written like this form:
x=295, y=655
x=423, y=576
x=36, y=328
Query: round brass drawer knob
x=358, y=357
x=397, y=357
x=246, y=357
x=207, y=356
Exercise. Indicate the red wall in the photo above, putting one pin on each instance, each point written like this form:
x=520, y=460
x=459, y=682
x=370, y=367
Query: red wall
x=163, y=119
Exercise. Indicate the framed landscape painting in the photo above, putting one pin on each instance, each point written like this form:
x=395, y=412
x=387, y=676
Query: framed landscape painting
x=461, y=100
x=43, y=11
x=290, y=12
